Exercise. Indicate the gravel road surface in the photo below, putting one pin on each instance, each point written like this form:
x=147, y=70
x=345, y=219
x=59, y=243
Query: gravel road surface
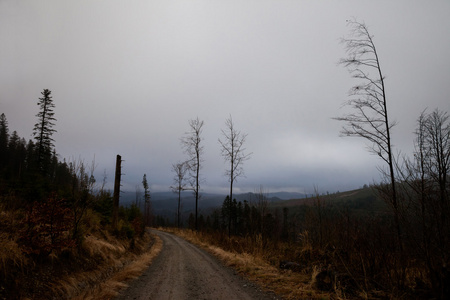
x=183, y=271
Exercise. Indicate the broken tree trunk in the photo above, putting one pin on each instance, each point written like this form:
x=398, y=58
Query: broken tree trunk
x=116, y=196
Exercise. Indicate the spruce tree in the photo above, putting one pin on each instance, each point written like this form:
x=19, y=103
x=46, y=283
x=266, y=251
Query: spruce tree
x=3, y=141
x=43, y=131
x=147, y=204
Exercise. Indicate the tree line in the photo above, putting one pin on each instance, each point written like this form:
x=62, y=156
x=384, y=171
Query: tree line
x=55, y=196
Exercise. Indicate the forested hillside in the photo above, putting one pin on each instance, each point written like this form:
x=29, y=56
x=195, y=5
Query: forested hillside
x=55, y=222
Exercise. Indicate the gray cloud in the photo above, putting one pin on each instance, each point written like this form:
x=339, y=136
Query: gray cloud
x=127, y=76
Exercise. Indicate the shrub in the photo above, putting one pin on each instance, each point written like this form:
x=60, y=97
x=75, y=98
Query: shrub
x=47, y=228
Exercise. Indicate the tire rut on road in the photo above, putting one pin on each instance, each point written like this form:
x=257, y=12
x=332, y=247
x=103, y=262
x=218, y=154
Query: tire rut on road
x=183, y=271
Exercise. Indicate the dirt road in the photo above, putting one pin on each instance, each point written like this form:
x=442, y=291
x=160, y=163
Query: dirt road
x=183, y=271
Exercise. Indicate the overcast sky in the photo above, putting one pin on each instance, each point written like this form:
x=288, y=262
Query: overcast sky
x=127, y=76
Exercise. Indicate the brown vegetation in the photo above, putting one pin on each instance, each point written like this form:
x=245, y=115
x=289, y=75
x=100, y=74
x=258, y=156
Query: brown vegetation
x=109, y=288
x=97, y=267
x=254, y=260
x=337, y=246
x=57, y=239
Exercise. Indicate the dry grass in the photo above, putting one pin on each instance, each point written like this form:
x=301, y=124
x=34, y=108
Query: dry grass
x=107, y=248
x=96, y=270
x=107, y=288
x=100, y=258
x=256, y=268
x=11, y=255
x=13, y=261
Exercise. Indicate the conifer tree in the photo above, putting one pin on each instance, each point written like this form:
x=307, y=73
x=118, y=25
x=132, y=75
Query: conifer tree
x=147, y=204
x=3, y=141
x=43, y=130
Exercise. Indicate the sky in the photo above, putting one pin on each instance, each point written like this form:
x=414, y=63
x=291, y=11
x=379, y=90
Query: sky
x=127, y=76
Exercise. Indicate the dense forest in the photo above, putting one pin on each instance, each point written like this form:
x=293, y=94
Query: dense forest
x=32, y=175
x=50, y=208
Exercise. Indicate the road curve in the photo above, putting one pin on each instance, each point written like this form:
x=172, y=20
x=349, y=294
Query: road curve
x=183, y=271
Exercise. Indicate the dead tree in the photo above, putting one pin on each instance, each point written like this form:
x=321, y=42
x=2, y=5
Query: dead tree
x=437, y=145
x=427, y=186
x=116, y=196
x=262, y=206
x=179, y=185
x=437, y=133
x=368, y=100
x=233, y=151
x=193, y=147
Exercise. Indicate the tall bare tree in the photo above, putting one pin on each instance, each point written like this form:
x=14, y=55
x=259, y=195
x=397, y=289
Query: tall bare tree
x=368, y=100
x=233, y=151
x=427, y=189
x=437, y=169
x=437, y=141
x=193, y=147
x=179, y=185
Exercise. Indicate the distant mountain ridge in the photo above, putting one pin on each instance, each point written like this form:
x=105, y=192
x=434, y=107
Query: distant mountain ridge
x=165, y=203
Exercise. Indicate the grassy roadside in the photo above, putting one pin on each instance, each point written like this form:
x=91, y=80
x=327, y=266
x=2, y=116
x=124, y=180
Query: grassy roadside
x=96, y=269
x=132, y=268
x=256, y=268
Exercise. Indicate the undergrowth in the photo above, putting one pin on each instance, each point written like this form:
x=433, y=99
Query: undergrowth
x=96, y=266
x=258, y=261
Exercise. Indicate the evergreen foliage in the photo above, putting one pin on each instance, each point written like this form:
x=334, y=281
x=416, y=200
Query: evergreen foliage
x=53, y=196
x=43, y=131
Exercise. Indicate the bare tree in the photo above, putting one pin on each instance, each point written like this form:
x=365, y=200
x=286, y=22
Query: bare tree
x=137, y=201
x=262, y=205
x=426, y=181
x=193, y=147
x=414, y=174
x=82, y=190
x=437, y=167
x=369, y=102
x=437, y=141
x=179, y=185
x=233, y=151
